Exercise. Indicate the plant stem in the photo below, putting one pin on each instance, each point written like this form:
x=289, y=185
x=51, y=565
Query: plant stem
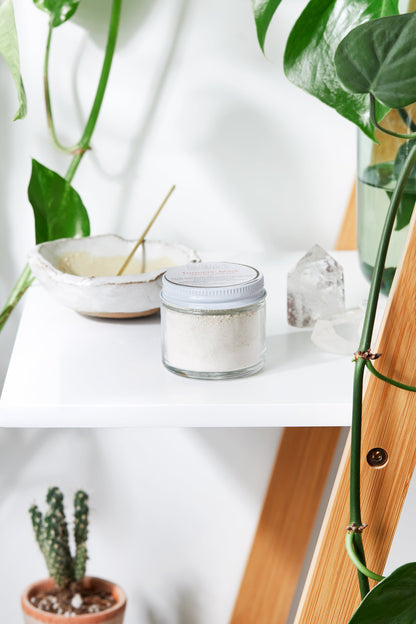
x=26, y=279
x=398, y=135
x=349, y=545
x=392, y=382
x=355, y=491
x=47, y=96
x=366, y=336
x=105, y=72
x=22, y=284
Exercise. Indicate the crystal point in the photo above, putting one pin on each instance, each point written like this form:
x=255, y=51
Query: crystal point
x=315, y=288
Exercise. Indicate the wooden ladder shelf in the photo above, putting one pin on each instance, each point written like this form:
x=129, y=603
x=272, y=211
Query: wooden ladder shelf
x=303, y=461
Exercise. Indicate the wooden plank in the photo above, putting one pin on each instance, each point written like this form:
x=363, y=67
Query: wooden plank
x=331, y=590
x=295, y=489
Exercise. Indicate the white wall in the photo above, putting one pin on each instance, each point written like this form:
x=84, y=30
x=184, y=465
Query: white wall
x=258, y=165
x=191, y=100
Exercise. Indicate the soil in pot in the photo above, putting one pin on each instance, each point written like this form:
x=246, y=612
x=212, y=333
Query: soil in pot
x=92, y=601
x=73, y=600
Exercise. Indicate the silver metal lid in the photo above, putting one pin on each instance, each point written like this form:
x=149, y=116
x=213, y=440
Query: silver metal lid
x=212, y=286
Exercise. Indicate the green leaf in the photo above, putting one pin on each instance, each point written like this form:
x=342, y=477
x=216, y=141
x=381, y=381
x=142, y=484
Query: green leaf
x=402, y=154
x=379, y=58
x=59, y=10
x=407, y=202
x=310, y=49
x=405, y=209
x=58, y=209
x=9, y=49
x=263, y=12
x=392, y=601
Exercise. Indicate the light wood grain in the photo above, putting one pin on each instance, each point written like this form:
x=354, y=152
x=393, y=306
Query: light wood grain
x=295, y=489
x=347, y=237
x=331, y=591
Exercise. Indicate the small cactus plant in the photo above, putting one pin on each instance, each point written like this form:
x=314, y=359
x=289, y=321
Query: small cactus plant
x=51, y=533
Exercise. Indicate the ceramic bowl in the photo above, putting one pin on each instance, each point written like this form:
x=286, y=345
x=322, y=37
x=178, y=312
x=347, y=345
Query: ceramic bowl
x=81, y=273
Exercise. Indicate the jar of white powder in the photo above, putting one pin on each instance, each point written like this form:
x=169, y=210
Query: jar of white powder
x=213, y=320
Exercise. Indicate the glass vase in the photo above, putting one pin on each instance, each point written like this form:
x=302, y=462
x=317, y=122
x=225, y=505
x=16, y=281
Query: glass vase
x=378, y=167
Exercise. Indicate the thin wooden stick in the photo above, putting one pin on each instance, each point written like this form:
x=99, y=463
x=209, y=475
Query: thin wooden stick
x=143, y=236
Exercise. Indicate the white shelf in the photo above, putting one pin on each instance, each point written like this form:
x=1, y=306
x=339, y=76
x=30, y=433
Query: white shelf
x=70, y=371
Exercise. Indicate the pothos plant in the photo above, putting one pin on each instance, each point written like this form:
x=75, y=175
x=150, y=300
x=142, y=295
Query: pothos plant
x=359, y=57
x=58, y=209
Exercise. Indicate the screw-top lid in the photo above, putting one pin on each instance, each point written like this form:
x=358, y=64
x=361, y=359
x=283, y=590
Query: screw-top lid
x=212, y=286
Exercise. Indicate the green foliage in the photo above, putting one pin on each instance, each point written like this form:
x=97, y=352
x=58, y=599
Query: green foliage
x=408, y=200
x=59, y=10
x=58, y=209
x=9, y=49
x=51, y=533
x=311, y=46
x=405, y=209
x=263, y=12
x=392, y=601
x=348, y=53
x=379, y=58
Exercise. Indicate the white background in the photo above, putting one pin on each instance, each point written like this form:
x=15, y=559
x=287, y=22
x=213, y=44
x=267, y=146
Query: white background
x=260, y=166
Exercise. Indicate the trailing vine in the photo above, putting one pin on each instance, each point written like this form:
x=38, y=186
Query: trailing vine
x=49, y=193
x=362, y=66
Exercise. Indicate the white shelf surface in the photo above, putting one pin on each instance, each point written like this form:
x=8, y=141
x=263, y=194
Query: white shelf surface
x=67, y=370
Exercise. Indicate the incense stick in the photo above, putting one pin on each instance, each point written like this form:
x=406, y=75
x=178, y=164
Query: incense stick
x=141, y=239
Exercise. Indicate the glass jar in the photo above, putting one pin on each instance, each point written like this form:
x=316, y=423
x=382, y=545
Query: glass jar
x=213, y=320
x=378, y=167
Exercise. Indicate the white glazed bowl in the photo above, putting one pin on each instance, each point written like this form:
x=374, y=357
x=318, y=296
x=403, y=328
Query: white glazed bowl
x=124, y=296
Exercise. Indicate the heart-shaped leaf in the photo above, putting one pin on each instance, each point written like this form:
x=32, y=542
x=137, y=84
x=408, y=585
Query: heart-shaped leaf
x=263, y=12
x=392, y=601
x=309, y=55
x=9, y=49
x=379, y=57
x=58, y=209
x=59, y=10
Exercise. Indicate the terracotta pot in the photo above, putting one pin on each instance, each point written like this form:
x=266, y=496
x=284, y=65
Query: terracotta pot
x=114, y=615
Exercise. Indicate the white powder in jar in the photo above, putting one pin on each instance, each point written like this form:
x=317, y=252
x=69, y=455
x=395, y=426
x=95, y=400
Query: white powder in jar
x=220, y=342
x=213, y=319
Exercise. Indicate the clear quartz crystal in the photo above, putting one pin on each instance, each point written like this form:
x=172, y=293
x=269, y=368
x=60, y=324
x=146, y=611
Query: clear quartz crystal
x=339, y=333
x=315, y=288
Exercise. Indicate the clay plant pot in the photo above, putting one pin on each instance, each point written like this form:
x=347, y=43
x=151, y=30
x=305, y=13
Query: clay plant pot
x=113, y=615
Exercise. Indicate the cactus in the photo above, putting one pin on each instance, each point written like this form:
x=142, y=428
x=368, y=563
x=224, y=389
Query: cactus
x=38, y=527
x=51, y=533
x=80, y=533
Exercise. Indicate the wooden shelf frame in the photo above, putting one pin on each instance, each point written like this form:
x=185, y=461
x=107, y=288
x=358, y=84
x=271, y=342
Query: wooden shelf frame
x=301, y=468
